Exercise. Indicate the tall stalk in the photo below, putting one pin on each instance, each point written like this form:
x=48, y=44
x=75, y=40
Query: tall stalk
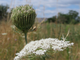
x=25, y=37
x=23, y=17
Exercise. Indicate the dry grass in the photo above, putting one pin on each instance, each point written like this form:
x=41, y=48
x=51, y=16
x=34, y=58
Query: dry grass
x=10, y=43
x=13, y=42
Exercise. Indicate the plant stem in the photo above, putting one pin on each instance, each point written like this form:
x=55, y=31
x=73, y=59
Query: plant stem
x=67, y=53
x=25, y=37
x=43, y=58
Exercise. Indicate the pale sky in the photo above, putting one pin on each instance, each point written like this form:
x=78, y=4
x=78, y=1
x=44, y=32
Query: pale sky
x=46, y=8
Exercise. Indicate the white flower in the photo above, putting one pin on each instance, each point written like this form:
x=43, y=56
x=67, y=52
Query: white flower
x=13, y=26
x=4, y=33
x=40, y=52
x=17, y=58
x=39, y=47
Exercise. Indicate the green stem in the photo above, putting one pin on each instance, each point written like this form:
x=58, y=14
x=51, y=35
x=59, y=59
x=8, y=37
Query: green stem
x=43, y=58
x=25, y=37
x=67, y=53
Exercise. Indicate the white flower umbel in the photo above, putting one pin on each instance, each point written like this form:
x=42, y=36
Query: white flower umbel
x=13, y=26
x=39, y=47
x=40, y=52
x=4, y=33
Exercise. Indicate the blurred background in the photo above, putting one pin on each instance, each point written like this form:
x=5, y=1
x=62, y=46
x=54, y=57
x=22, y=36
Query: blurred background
x=68, y=11
x=55, y=19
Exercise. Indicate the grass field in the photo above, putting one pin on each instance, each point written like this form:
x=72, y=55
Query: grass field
x=13, y=42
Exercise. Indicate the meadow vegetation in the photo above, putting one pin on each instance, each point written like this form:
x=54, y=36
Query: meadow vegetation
x=13, y=42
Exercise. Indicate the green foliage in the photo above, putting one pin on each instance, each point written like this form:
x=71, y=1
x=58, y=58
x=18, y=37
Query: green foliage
x=51, y=30
x=53, y=19
x=71, y=17
x=73, y=14
x=23, y=17
x=8, y=48
x=3, y=11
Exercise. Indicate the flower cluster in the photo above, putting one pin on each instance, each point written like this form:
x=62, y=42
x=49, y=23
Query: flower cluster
x=23, y=17
x=22, y=10
x=39, y=47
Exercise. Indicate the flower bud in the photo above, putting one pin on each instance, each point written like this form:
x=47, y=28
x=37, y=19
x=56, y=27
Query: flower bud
x=23, y=20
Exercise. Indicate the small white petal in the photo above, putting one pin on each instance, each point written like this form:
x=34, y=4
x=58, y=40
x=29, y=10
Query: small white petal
x=39, y=47
x=4, y=33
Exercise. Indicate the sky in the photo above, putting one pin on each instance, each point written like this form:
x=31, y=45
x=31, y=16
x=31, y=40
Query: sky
x=46, y=8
